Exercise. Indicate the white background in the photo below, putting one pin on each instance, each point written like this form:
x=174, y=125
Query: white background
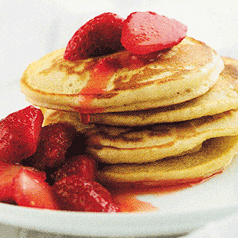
x=29, y=29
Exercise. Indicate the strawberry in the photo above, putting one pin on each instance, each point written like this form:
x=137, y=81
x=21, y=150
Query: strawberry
x=55, y=139
x=30, y=190
x=7, y=174
x=146, y=32
x=19, y=134
x=80, y=194
x=81, y=165
x=99, y=36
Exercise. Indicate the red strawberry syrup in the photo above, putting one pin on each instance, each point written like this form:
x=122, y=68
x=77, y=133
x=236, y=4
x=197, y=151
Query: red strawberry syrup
x=97, y=84
x=101, y=75
x=125, y=194
x=85, y=118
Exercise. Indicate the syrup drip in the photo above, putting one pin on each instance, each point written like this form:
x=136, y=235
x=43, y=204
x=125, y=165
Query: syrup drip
x=97, y=84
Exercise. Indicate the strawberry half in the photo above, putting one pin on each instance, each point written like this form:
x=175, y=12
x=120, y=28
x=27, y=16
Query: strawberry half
x=99, y=36
x=19, y=134
x=7, y=175
x=80, y=194
x=146, y=32
x=30, y=190
x=81, y=165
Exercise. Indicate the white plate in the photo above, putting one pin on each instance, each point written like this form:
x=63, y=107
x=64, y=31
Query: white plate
x=178, y=212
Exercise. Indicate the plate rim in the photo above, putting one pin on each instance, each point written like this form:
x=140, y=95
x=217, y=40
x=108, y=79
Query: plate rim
x=111, y=224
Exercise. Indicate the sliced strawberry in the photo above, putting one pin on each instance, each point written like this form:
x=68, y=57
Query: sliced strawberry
x=55, y=139
x=80, y=194
x=19, y=134
x=30, y=190
x=7, y=174
x=99, y=36
x=81, y=165
x=146, y=32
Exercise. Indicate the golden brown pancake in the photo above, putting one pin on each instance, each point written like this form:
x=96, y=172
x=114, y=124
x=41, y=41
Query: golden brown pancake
x=111, y=145
x=215, y=155
x=230, y=71
x=223, y=96
x=182, y=73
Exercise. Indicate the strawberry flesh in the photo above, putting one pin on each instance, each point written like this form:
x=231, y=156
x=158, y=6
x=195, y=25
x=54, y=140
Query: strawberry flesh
x=30, y=190
x=146, y=32
x=7, y=175
x=19, y=134
x=80, y=194
x=81, y=165
x=99, y=36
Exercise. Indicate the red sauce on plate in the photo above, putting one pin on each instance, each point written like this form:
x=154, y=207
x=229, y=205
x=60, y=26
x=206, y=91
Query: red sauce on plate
x=126, y=195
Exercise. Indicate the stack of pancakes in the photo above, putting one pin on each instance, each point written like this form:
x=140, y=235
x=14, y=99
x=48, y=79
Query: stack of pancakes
x=167, y=119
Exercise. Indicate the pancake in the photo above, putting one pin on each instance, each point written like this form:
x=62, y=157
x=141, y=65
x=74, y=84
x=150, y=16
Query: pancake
x=230, y=71
x=215, y=155
x=182, y=73
x=111, y=145
x=222, y=97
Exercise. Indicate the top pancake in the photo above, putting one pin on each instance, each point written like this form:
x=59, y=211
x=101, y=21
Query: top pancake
x=223, y=96
x=184, y=72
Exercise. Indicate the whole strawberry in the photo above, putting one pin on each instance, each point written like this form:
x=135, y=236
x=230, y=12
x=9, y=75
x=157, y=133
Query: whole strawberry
x=19, y=134
x=55, y=139
x=81, y=165
x=99, y=36
x=79, y=194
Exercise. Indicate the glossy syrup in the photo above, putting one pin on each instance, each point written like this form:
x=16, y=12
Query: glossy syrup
x=100, y=77
x=97, y=85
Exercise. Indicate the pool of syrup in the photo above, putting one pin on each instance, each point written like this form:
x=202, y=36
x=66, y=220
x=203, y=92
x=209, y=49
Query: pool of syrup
x=126, y=195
